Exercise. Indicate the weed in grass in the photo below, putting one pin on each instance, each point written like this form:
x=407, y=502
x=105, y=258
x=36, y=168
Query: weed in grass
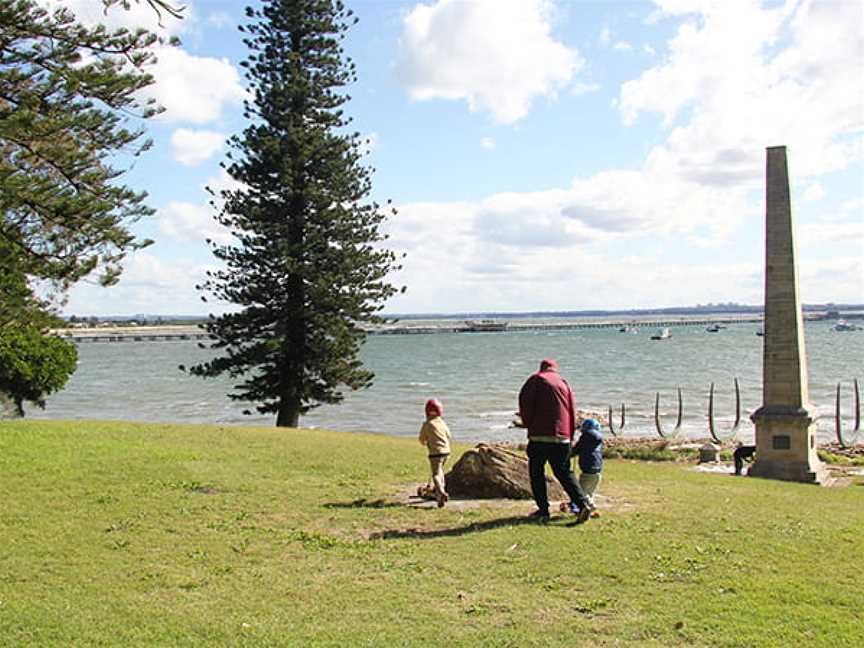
x=590, y=607
x=187, y=486
x=363, y=503
x=241, y=547
x=321, y=541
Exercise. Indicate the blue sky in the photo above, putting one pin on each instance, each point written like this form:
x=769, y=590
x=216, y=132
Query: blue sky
x=543, y=155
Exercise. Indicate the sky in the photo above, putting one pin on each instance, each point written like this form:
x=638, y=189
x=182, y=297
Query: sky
x=543, y=155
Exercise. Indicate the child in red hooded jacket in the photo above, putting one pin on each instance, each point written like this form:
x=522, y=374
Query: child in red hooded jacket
x=435, y=435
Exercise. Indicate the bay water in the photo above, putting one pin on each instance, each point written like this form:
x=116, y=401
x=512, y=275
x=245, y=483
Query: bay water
x=477, y=376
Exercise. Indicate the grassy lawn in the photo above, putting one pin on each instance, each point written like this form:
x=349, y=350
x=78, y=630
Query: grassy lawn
x=118, y=534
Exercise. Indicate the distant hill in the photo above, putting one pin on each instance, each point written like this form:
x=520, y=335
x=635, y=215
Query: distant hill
x=700, y=309
x=707, y=309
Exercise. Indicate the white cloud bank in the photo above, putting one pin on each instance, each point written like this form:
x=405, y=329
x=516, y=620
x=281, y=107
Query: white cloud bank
x=192, y=89
x=187, y=222
x=149, y=285
x=498, y=55
x=735, y=78
x=745, y=77
x=139, y=14
x=191, y=147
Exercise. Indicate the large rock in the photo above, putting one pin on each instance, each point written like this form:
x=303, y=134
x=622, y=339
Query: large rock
x=492, y=471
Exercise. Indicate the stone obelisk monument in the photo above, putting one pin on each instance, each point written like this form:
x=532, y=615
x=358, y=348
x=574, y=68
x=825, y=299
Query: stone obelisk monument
x=785, y=434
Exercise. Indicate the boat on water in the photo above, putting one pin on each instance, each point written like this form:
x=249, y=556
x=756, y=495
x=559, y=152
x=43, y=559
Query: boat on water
x=485, y=326
x=760, y=331
x=628, y=329
x=843, y=325
x=714, y=328
x=662, y=334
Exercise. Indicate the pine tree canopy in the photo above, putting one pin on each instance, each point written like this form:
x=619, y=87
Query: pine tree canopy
x=309, y=266
x=68, y=94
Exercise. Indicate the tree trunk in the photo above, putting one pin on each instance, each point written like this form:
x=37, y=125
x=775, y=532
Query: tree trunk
x=9, y=408
x=289, y=413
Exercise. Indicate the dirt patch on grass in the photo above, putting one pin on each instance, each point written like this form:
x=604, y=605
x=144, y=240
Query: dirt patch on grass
x=407, y=496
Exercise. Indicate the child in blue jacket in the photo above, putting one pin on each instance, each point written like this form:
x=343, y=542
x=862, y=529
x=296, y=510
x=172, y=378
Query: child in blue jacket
x=589, y=449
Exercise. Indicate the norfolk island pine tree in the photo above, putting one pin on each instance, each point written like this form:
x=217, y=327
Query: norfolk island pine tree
x=308, y=267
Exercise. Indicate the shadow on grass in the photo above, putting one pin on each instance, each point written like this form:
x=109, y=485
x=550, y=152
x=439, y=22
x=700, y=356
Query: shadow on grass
x=474, y=527
x=363, y=503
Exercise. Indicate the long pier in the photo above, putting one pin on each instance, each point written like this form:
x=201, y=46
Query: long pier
x=132, y=334
x=175, y=333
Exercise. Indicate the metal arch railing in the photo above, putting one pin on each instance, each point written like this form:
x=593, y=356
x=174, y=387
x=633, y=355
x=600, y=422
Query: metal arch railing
x=838, y=423
x=677, y=429
x=712, y=426
x=623, y=421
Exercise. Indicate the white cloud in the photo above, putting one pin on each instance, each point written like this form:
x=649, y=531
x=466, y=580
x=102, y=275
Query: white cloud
x=193, y=88
x=220, y=183
x=813, y=192
x=584, y=88
x=792, y=77
x=737, y=78
x=845, y=275
x=220, y=19
x=781, y=83
x=622, y=46
x=92, y=12
x=518, y=252
x=844, y=224
x=487, y=143
x=190, y=222
x=498, y=55
x=148, y=285
x=605, y=36
x=832, y=232
x=191, y=147
x=491, y=253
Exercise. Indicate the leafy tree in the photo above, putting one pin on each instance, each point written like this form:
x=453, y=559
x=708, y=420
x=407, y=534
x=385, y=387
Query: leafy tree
x=67, y=96
x=18, y=304
x=308, y=267
x=33, y=365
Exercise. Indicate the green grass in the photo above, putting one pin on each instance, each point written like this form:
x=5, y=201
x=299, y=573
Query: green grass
x=116, y=534
x=841, y=460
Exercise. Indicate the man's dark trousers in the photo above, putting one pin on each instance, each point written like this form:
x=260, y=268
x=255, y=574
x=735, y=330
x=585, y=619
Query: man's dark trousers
x=741, y=453
x=558, y=456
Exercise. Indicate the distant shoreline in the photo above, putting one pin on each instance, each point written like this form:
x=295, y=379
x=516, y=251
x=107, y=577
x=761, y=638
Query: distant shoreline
x=827, y=310
x=116, y=332
x=179, y=331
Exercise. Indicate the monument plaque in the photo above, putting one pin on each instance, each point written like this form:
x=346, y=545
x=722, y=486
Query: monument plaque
x=785, y=443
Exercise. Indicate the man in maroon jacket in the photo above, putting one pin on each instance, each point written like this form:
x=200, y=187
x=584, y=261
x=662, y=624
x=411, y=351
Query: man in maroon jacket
x=547, y=410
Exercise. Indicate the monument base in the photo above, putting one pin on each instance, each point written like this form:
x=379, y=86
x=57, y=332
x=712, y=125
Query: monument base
x=786, y=446
x=783, y=470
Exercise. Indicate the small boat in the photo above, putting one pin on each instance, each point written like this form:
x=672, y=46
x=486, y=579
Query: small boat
x=760, y=331
x=628, y=329
x=485, y=326
x=714, y=328
x=662, y=334
x=843, y=325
